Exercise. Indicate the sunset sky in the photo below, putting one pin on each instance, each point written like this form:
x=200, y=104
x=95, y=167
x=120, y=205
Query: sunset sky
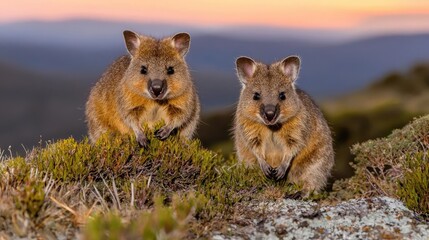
x=327, y=14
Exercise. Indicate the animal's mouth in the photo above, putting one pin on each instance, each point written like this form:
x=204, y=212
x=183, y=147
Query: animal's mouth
x=271, y=122
x=158, y=96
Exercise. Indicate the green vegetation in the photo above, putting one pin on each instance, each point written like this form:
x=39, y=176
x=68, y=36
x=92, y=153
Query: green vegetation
x=113, y=186
x=162, y=222
x=413, y=188
x=177, y=189
x=396, y=166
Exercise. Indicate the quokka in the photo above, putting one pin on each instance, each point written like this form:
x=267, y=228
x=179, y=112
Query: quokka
x=279, y=127
x=150, y=84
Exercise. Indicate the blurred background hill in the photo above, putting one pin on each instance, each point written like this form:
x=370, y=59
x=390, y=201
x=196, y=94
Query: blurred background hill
x=365, y=63
x=82, y=49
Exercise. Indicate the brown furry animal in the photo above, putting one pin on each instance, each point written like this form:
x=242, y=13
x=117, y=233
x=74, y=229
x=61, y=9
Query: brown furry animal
x=279, y=127
x=147, y=86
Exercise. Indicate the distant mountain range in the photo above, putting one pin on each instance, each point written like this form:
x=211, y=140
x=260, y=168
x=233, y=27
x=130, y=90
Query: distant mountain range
x=49, y=65
x=82, y=49
x=95, y=30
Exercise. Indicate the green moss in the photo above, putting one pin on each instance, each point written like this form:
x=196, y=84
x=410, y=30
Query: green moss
x=413, y=187
x=30, y=198
x=14, y=172
x=67, y=160
x=108, y=226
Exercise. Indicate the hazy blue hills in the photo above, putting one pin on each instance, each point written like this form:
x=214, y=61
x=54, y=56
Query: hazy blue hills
x=83, y=49
x=327, y=69
x=99, y=32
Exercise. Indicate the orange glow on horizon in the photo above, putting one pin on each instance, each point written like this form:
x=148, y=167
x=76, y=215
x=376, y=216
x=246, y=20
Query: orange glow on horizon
x=301, y=14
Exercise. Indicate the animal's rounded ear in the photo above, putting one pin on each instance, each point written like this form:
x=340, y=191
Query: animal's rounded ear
x=132, y=41
x=290, y=67
x=246, y=67
x=181, y=43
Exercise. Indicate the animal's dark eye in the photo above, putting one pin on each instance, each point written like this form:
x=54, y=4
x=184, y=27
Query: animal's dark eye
x=143, y=70
x=170, y=70
x=256, y=96
x=282, y=96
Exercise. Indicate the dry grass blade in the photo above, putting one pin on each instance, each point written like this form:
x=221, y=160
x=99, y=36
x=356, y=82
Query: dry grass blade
x=80, y=216
x=132, y=195
x=115, y=201
x=115, y=190
x=100, y=198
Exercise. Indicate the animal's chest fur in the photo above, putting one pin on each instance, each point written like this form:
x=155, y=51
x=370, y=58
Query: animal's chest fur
x=274, y=148
x=152, y=115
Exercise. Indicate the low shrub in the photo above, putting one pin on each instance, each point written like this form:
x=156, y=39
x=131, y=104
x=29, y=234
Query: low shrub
x=396, y=166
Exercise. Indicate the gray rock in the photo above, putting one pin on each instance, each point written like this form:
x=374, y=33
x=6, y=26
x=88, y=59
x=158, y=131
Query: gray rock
x=371, y=218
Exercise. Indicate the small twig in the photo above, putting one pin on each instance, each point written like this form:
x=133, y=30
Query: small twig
x=49, y=185
x=115, y=190
x=100, y=198
x=45, y=177
x=84, y=189
x=25, y=149
x=148, y=182
x=138, y=175
x=232, y=166
x=132, y=194
x=10, y=151
x=63, y=205
x=2, y=157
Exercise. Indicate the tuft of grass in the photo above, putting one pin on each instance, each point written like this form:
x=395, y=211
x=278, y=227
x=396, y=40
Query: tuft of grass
x=162, y=222
x=30, y=198
x=396, y=166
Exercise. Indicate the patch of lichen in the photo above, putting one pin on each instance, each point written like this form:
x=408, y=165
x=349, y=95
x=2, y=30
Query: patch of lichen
x=395, y=166
x=114, y=177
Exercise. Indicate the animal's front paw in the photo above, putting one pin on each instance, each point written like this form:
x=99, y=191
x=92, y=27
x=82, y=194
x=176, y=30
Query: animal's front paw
x=142, y=140
x=163, y=133
x=280, y=171
x=268, y=171
x=296, y=195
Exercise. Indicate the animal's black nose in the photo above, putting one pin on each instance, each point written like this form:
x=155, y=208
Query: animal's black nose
x=270, y=112
x=157, y=87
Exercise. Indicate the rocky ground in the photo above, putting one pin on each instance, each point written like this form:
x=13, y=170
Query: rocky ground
x=370, y=218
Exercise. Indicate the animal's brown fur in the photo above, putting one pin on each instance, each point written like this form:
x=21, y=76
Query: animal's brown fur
x=121, y=101
x=297, y=144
